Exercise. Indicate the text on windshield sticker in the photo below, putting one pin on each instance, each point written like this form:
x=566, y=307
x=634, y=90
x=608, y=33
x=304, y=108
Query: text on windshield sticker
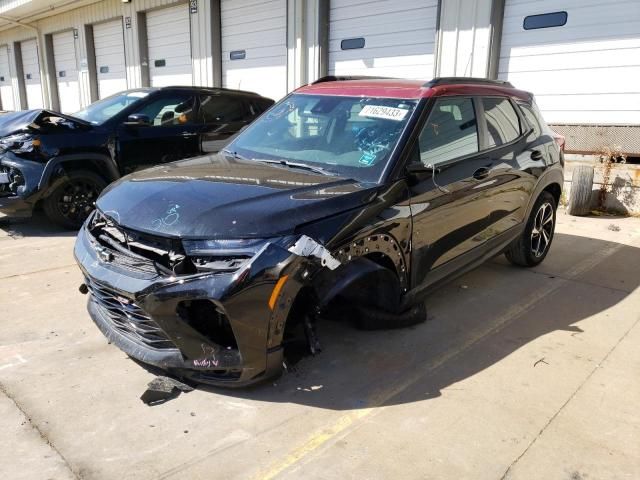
x=380, y=111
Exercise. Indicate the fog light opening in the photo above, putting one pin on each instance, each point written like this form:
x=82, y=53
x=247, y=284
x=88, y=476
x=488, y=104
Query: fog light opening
x=208, y=320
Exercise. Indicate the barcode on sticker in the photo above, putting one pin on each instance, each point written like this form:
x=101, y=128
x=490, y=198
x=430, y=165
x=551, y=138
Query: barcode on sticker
x=380, y=111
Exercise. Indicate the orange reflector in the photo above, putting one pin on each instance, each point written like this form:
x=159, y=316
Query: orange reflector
x=36, y=142
x=276, y=291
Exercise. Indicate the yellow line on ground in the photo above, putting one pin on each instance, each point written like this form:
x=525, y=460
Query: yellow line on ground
x=378, y=399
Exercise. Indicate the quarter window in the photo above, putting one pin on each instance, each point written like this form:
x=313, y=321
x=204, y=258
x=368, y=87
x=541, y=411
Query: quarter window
x=450, y=132
x=503, y=125
x=221, y=109
x=527, y=111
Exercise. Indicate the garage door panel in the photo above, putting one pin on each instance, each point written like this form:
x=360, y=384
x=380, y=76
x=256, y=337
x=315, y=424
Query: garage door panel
x=595, y=102
x=261, y=32
x=235, y=9
x=398, y=26
x=399, y=37
x=351, y=10
x=31, y=70
x=573, y=60
x=388, y=42
x=261, y=22
x=590, y=46
x=6, y=87
x=108, y=39
x=579, y=72
x=64, y=58
x=252, y=41
x=582, y=11
x=169, y=43
x=584, y=81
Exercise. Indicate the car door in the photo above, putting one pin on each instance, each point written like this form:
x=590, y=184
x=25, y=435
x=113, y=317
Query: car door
x=221, y=116
x=513, y=164
x=167, y=132
x=449, y=205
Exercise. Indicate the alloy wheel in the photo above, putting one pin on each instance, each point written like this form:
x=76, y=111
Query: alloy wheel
x=542, y=230
x=78, y=200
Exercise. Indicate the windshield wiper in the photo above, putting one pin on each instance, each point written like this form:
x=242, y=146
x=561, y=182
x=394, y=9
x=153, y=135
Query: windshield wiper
x=284, y=163
x=303, y=166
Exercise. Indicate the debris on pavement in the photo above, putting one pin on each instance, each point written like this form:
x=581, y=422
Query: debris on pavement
x=162, y=389
x=542, y=360
x=614, y=228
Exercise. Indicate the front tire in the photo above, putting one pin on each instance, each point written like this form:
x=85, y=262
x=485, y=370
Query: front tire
x=531, y=248
x=74, y=199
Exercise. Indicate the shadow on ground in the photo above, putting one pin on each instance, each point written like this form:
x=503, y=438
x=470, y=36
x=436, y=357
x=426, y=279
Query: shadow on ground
x=37, y=226
x=467, y=331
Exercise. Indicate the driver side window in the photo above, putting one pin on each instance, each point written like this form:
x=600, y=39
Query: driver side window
x=169, y=111
x=451, y=131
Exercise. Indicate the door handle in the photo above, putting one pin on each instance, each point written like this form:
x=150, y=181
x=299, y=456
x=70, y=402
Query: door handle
x=188, y=134
x=481, y=173
x=536, y=155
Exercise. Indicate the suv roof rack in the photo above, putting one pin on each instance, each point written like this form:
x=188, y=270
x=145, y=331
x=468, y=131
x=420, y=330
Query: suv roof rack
x=340, y=78
x=466, y=80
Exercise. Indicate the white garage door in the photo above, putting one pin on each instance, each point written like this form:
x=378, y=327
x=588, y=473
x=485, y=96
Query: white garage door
x=31, y=70
x=64, y=59
x=108, y=41
x=169, y=41
x=585, y=71
x=254, y=46
x=385, y=37
x=6, y=89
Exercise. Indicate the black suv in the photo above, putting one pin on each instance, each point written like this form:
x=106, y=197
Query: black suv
x=352, y=195
x=64, y=162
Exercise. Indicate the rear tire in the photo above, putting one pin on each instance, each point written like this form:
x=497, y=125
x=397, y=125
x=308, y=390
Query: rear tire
x=531, y=248
x=74, y=199
x=581, y=188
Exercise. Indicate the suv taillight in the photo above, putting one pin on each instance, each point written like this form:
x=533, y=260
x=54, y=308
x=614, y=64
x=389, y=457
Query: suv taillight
x=560, y=140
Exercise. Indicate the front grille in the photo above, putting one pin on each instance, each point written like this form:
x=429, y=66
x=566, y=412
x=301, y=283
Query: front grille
x=128, y=318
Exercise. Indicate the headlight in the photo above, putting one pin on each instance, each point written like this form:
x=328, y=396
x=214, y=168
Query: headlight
x=226, y=255
x=21, y=142
x=221, y=248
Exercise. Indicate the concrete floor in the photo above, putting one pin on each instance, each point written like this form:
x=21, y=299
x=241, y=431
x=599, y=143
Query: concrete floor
x=518, y=374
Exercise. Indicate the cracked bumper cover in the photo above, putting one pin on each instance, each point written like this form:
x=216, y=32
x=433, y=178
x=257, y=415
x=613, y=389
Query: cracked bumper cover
x=21, y=205
x=242, y=295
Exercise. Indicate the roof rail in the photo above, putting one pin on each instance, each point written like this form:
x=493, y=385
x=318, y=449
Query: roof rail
x=466, y=80
x=340, y=78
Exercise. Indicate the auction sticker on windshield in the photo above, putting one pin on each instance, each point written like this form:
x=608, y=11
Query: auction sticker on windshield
x=380, y=111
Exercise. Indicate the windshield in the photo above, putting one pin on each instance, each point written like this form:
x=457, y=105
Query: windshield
x=348, y=136
x=102, y=110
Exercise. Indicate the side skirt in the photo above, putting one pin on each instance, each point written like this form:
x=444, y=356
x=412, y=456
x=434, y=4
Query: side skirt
x=462, y=264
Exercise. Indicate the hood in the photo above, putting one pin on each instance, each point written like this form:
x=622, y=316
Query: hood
x=221, y=197
x=36, y=120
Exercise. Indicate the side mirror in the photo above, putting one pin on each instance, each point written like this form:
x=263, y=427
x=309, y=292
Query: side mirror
x=138, y=120
x=419, y=171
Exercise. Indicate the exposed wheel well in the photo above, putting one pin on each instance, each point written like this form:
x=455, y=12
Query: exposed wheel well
x=383, y=260
x=555, y=190
x=94, y=166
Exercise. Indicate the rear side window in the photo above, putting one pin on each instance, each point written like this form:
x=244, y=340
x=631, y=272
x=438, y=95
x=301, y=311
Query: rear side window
x=256, y=107
x=503, y=125
x=531, y=119
x=450, y=132
x=221, y=109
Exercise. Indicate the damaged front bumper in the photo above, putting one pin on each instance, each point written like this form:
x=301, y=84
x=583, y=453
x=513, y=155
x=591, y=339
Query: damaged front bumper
x=217, y=328
x=19, y=185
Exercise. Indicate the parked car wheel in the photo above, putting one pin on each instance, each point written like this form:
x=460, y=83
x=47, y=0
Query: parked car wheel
x=581, y=187
x=72, y=201
x=532, y=246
